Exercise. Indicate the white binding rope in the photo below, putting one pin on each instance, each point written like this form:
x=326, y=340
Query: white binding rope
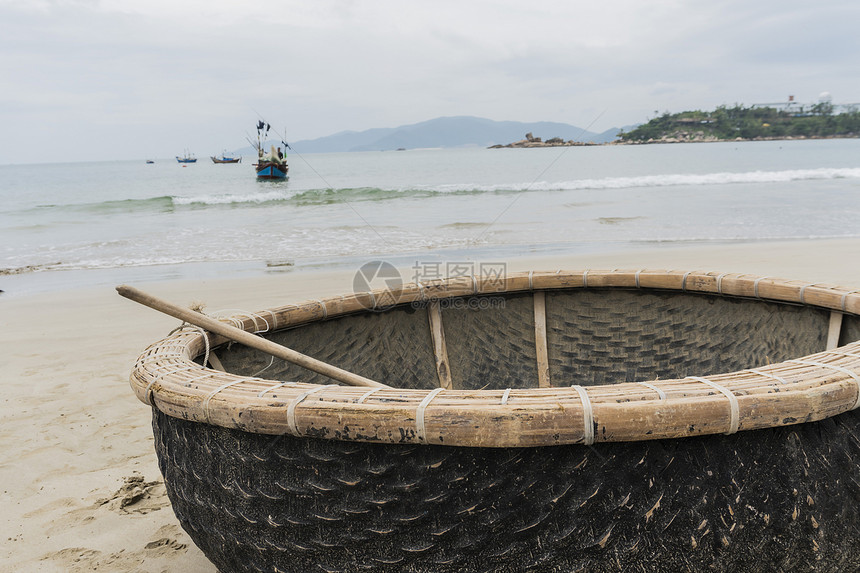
x=188, y=383
x=505, y=396
x=274, y=319
x=531, y=280
x=240, y=323
x=768, y=375
x=720, y=283
x=367, y=395
x=420, y=430
x=275, y=387
x=324, y=309
x=147, y=392
x=653, y=387
x=837, y=369
x=264, y=368
x=585, y=279
x=215, y=391
x=637, y=278
x=260, y=316
x=246, y=314
x=474, y=285
x=684, y=281
x=253, y=316
x=803, y=289
x=587, y=416
x=845, y=295
x=291, y=409
x=182, y=348
x=755, y=286
x=733, y=402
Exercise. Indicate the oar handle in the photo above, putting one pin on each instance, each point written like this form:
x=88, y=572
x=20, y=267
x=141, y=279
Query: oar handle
x=246, y=338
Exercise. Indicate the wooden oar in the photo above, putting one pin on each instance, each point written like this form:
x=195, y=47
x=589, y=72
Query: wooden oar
x=246, y=338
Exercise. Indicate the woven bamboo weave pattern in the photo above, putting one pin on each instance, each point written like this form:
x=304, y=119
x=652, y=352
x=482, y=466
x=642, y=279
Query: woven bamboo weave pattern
x=774, y=500
x=638, y=341
x=609, y=337
x=390, y=346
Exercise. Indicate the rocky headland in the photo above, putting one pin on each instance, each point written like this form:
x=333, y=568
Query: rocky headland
x=532, y=141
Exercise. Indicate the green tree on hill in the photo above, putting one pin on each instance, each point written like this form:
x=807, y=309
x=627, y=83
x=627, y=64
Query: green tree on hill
x=726, y=123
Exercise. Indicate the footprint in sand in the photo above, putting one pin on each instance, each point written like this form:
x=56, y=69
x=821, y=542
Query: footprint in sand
x=137, y=496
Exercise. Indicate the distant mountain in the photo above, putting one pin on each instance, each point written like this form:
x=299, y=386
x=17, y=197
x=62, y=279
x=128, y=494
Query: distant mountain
x=462, y=131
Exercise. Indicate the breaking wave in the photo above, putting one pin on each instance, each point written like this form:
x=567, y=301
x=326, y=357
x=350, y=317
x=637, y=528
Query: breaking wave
x=329, y=196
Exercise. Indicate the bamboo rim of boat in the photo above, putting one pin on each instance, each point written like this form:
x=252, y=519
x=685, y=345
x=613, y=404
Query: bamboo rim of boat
x=799, y=390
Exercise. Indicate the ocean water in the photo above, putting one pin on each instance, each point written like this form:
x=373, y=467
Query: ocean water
x=83, y=224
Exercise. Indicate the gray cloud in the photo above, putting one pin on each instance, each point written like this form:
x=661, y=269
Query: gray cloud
x=119, y=79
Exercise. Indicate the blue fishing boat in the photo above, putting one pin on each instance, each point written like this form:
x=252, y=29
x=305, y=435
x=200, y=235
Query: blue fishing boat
x=270, y=164
x=187, y=158
x=226, y=159
x=268, y=168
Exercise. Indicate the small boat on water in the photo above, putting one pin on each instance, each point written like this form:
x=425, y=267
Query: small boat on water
x=270, y=164
x=226, y=159
x=187, y=158
x=149, y=161
x=540, y=421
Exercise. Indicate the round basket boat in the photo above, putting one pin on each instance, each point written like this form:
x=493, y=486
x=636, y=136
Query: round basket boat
x=540, y=421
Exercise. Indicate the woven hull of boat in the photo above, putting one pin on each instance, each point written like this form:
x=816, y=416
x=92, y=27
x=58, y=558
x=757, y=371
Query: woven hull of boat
x=781, y=499
x=581, y=421
x=593, y=337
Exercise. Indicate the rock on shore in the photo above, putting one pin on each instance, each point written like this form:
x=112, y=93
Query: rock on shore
x=532, y=141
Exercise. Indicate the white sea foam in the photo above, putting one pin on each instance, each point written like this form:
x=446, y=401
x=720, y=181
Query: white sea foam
x=722, y=178
x=388, y=204
x=228, y=199
x=311, y=196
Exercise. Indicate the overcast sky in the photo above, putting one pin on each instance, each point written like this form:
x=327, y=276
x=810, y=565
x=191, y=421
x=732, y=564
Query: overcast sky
x=123, y=79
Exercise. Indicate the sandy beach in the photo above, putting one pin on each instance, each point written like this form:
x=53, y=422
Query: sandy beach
x=81, y=489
